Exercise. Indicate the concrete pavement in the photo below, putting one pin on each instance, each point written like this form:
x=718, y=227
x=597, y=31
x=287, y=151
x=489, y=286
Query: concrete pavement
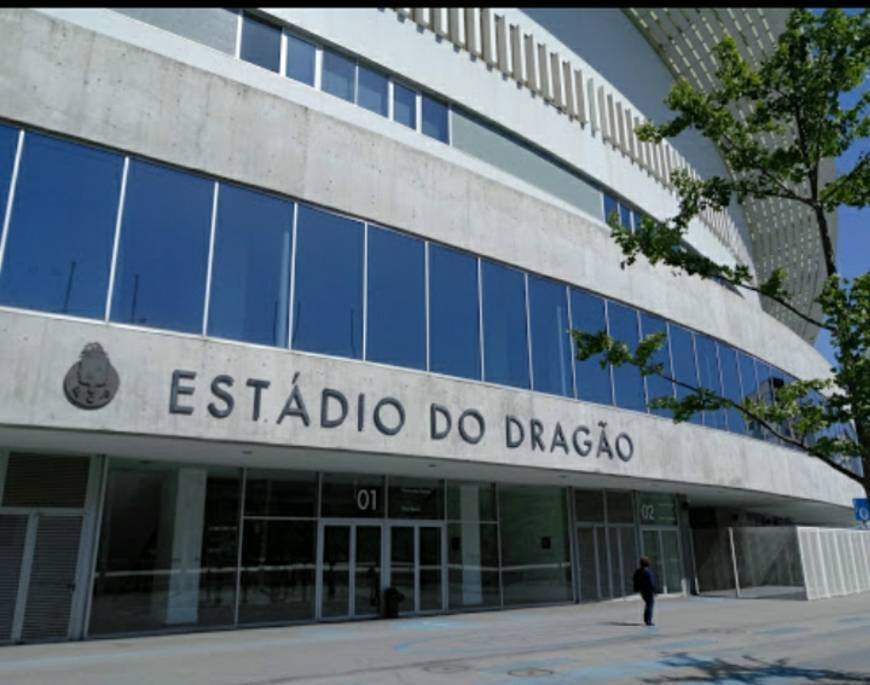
x=696, y=640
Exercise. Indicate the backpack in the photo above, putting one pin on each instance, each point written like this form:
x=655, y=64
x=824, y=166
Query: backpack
x=637, y=580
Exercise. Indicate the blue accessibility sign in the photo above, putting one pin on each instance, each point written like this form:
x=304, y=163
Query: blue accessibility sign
x=862, y=510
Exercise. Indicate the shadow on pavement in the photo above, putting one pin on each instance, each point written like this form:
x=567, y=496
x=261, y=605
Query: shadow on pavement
x=621, y=623
x=751, y=671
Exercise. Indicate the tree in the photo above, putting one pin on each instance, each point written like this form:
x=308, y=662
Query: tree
x=774, y=124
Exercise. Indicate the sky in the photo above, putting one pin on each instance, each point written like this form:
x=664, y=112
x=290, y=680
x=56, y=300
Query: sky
x=853, y=225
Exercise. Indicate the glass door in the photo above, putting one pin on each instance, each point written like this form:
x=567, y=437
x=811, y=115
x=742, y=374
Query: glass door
x=662, y=546
x=417, y=566
x=431, y=569
x=349, y=578
x=672, y=561
x=592, y=558
x=402, y=566
x=367, y=571
x=335, y=572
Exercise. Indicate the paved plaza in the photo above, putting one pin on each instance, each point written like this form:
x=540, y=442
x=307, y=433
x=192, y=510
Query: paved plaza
x=696, y=640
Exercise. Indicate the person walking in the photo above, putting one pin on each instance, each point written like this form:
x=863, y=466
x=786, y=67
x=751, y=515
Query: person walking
x=646, y=583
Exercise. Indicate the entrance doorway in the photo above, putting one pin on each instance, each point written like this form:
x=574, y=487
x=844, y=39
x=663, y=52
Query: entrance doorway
x=349, y=569
x=606, y=557
x=357, y=560
x=662, y=546
x=416, y=568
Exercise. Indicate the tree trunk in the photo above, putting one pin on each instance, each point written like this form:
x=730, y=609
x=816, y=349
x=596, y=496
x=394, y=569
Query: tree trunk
x=827, y=245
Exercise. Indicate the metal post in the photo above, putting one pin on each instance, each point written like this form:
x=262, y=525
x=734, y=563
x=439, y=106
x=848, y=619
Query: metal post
x=734, y=560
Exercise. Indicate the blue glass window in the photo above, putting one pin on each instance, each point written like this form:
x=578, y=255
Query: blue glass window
x=731, y=387
x=708, y=367
x=636, y=218
x=656, y=385
x=435, y=118
x=683, y=360
x=339, y=76
x=300, y=59
x=404, y=105
x=765, y=384
x=261, y=43
x=627, y=381
x=8, y=144
x=505, y=348
x=765, y=391
x=163, y=251
x=778, y=378
x=62, y=229
x=593, y=382
x=327, y=306
x=749, y=383
x=610, y=206
x=813, y=397
x=250, y=281
x=551, y=342
x=372, y=93
x=396, y=299
x=454, y=324
x=624, y=216
x=787, y=428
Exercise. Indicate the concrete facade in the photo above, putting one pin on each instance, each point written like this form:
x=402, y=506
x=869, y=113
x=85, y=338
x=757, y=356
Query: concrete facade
x=170, y=87
x=410, y=183
x=41, y=349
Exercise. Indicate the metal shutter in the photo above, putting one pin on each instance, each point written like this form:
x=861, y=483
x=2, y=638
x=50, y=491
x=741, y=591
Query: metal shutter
x=13, y=530
x=52, y=578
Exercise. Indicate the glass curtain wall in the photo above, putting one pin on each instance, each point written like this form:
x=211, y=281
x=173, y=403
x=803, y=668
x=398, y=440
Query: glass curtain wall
x=535, y=549
x=660, y=539
x=279, y=547
x=170, y=553
x=657, y=386
x=606, y=543
x=426, y=306
x=168, y=548
x=472, y=538
x=62, y=225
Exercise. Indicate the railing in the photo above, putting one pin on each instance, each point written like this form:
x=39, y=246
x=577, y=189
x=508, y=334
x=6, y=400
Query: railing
x=561, y=81
x=792, y=562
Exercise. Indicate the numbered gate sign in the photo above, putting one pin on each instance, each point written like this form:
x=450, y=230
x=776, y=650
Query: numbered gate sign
x=862, y=510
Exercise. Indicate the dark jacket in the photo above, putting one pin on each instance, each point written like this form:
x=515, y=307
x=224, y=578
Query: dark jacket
x=645, y=581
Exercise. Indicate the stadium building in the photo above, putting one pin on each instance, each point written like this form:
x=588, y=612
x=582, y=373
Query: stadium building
x=284, y=308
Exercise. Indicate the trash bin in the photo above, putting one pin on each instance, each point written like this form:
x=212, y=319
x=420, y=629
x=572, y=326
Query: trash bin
x=392, y=599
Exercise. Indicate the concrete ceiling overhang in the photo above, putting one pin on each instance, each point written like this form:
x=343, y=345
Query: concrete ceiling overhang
x=783, y=233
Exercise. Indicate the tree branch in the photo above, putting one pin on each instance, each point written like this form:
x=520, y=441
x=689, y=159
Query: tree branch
x=783, y=302
x=766, y=425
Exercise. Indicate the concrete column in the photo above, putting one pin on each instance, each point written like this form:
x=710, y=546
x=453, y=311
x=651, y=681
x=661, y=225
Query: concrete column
x=469, y=508
x=183, y=602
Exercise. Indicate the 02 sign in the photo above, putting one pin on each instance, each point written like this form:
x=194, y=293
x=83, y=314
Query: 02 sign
x=862, y=510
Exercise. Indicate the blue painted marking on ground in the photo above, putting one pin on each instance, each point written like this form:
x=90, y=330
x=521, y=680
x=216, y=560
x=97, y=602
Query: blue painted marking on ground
x=787, y=630
x=853, y=619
